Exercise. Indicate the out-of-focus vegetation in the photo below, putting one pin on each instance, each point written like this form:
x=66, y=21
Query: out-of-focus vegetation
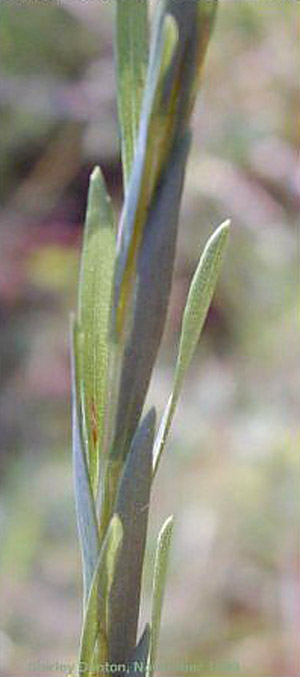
x=232, y=599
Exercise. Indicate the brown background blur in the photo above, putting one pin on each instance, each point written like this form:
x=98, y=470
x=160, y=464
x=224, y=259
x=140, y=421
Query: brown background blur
x=229, y=473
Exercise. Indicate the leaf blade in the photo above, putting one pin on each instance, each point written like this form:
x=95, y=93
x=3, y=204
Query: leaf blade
x=131, y=61
x=159, y=583
x=94, y=311
x=152, y=291
x=180, y=39
x=202, y=288
x=144, y=175
x=199, y=298
x=132, y=506
x=84, y=501
x=95, y=620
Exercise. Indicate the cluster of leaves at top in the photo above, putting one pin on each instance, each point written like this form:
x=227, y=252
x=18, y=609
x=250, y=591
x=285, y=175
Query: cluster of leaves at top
x=124, y=289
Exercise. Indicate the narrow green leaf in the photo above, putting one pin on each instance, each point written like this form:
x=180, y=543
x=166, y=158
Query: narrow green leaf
x=198, y=302
x=151, y=293
x=94, y=307
x=159, y=584
x=85, y=505
x=95, y=620
x=131, y=58
x=151, y=147
x=180, y=38
x=132, y=506
x=199, y=298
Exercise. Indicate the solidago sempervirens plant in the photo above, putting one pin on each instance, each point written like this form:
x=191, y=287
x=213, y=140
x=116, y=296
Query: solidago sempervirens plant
x=124, y=289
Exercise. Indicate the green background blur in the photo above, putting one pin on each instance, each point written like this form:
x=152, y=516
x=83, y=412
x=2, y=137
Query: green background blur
x=230, y=471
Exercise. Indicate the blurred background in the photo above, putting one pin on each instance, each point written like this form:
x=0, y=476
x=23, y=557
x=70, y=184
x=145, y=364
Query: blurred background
x=229, y=474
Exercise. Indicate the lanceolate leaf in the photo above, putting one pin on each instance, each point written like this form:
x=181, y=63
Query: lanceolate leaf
x=199, y=298
x=132, y=57
x=94, y=306
x=179, y=42
x=154, y=276
x=95, y=619
x=159, y=583
x=144, y=176
x=198, y=302
x=132, y=507
x=85, y=506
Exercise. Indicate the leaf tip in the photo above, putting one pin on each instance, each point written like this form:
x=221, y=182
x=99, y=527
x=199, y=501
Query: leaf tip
x=224, y=228
x=97, y=189
x=167, y=529
x=218, y=239
x=96, y=174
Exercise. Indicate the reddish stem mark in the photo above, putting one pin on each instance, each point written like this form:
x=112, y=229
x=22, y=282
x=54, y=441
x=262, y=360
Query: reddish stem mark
x=94, y=423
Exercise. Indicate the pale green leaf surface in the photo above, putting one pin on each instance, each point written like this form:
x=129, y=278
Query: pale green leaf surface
x=199, y=298
x=131, y=58
x=151, y=148
x=179, y=41
x=159, y=584
x=132, y=506
x=95, y=620
x=94, y=306
x=84, y=500
x=154, y=269
x=198, y=302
